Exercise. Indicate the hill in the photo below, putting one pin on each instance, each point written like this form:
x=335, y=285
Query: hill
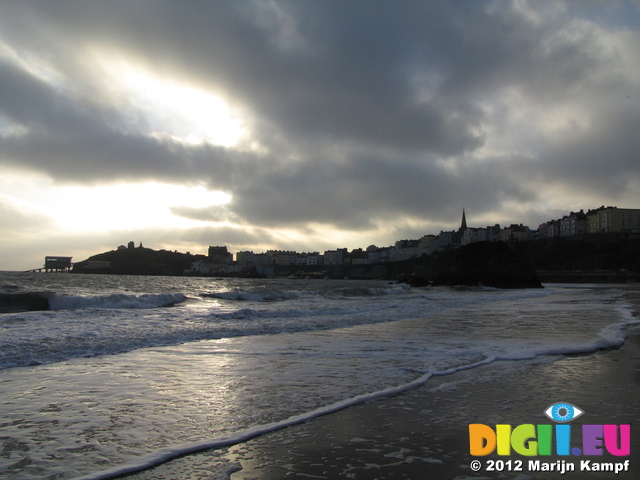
x=138, y=261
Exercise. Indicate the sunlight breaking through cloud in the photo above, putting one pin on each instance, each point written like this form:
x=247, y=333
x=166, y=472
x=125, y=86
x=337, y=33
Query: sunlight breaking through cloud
x=165, y=107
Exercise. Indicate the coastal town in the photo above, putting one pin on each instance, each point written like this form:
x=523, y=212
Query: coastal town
x=603, y=220
x=596, y=224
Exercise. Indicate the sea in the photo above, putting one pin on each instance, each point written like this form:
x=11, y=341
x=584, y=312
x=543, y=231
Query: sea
x=102, y=375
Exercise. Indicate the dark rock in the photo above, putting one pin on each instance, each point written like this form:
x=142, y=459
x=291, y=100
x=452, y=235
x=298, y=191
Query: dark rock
x=490, y=264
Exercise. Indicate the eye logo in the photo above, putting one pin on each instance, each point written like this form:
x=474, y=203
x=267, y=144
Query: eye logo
x=563, y=412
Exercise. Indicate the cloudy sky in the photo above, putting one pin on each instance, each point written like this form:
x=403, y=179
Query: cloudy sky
x=307, y=124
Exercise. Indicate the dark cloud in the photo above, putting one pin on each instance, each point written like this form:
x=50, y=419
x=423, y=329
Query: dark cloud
x=601, y=156
x=359, y=113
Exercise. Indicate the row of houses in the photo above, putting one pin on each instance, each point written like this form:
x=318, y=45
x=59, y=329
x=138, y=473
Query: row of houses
x=600, y=220
x=220, y=260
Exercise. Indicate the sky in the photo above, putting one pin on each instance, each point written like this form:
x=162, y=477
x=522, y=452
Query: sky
x=307, y=125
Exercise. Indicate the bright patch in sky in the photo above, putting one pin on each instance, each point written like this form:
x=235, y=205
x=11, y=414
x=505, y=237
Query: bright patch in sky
x=108, y=207
x=175, y=110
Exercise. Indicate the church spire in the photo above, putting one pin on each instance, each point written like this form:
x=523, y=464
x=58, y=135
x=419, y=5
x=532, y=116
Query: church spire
x=463, y=225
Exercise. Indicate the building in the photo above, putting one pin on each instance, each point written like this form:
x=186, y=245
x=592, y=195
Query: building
x=425, y=240
x=203, y=267
x=405, y=250
x=359, y=257
x=282, y=258
x=488, y=234
x=613, y=220
x=514, y=232
x=574, y=224
x=463, y=224
x=467, y=235
x=379, y=255
x=57, y=264
x=550, y=229
x=335, y=257
x=246, y=258
x=250, y=259
x=309, y=259
x=220, y=255
x=449, y=239
x=453, y=238
x=470, y=235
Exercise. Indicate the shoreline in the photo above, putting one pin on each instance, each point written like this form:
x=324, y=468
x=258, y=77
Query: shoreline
x=423, y=433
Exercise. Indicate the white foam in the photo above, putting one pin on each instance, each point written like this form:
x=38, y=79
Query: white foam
x=163, y=455
x=113, y=301
x=612, y=335
x=255, y=296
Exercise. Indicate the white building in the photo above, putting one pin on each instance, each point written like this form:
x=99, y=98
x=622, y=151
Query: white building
x=309, y=259
x=470, y=235
x=202, y=267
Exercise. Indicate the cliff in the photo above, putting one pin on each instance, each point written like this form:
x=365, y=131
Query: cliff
x=491, y=264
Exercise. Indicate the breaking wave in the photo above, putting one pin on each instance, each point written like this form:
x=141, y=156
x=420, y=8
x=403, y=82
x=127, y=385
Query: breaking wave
x=115, y=300
x=37, y=301
x=255, y=295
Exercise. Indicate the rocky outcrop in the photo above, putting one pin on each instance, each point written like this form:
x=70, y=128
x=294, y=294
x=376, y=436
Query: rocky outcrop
x=490, y=264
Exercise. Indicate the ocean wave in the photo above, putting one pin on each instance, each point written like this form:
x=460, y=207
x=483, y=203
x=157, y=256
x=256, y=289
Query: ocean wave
x=277, y=295
x=83, y=329
x=255, y=295
x=361, y=291
x=9, y=287
x=114, y=301
x=24, y=302
x=39, y=301
x=252, y=314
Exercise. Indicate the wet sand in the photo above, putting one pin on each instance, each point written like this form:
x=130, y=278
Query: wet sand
x=423, y=433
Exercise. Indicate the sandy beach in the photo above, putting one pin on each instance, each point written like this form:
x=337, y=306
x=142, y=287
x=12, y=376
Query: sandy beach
x=423, y=433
